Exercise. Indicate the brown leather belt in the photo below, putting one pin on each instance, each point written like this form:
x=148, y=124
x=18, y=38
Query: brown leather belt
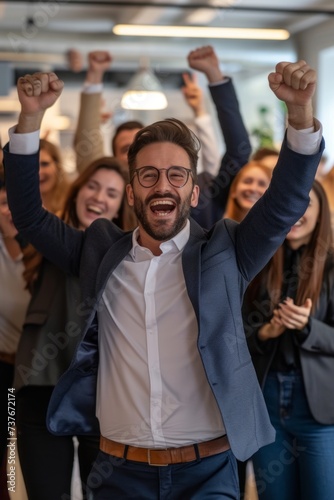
x=167, y=456
x=8, y=358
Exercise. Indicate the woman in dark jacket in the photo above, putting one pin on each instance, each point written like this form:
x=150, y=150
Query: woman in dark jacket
x=289, y=322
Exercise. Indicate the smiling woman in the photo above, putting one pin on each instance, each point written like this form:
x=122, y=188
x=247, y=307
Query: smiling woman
x=247, y=187
x=288, y=317
x=99, y=192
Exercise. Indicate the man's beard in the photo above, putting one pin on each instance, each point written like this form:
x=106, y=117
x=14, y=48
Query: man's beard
x=164, y=232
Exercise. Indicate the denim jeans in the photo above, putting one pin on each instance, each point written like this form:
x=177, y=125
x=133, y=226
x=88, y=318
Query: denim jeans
x=299, y=465
x=208, y=478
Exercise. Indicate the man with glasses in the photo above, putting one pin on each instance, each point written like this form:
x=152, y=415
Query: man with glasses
x=163, y=370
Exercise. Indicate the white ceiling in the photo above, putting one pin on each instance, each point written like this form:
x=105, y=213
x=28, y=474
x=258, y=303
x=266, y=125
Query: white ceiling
x=34, y=33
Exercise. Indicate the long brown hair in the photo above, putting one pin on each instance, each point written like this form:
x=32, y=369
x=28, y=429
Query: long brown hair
x=312, y=264
x=233, y=211
x=327, y=183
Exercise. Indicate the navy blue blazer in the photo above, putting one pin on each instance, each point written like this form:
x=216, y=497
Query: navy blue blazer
x=218, y=265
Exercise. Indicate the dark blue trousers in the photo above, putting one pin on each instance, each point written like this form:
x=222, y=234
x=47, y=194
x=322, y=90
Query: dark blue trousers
x=212, y=478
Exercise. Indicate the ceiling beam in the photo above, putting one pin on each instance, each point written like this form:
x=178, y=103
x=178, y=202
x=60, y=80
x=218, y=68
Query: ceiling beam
x=165, y=5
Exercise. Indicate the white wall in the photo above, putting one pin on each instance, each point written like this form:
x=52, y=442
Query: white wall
x=317, y=48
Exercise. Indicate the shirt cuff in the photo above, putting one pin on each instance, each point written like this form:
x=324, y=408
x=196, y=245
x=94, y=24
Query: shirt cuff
x=203, y=120
x=224, y=80
x=306, y=141
x=92, y=88
x=23, y=144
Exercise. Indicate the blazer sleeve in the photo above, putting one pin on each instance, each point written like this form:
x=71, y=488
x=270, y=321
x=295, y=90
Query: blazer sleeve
x=320, y=339
x=88, y=139
x=264, y=228
x=237, y=144
x=214, y=190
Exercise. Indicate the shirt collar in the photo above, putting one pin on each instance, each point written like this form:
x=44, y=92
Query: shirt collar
x=175, y=244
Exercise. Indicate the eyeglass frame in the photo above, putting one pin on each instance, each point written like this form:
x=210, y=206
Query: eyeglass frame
x=188, y=171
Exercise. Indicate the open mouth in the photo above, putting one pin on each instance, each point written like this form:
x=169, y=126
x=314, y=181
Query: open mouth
x=252, y=198
x=162, y=207
x=94, y=209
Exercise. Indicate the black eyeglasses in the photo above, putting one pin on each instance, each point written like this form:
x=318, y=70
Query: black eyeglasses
x=149, y=176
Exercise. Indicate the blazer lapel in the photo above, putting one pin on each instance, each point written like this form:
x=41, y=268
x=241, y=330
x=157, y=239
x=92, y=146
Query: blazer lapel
x=110, y=261
x=191, y=261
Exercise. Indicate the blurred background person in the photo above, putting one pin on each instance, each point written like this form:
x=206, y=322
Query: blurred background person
x=247, y=187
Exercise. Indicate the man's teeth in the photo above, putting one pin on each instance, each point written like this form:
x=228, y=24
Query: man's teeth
x=162, y=207
x=161, y=202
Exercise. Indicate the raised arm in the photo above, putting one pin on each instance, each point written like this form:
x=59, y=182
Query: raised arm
x=294, y=83
x=237, y=144
x=204, y=127
x=88, y=139
x=48, y=234
x=264, y=228
x=36, y=93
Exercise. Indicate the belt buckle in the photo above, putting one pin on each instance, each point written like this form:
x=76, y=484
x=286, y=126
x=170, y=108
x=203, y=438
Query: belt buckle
x=151, y=463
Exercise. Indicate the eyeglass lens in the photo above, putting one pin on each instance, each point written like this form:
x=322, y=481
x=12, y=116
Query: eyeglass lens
x=149, y=176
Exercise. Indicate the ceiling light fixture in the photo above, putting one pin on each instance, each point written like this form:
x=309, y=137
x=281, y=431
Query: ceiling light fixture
x=144, y=92
x=200, y=32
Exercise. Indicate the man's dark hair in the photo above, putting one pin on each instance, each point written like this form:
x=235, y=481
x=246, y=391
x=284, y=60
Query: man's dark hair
x=130, y=125
x=169, y=130
x=263, y=152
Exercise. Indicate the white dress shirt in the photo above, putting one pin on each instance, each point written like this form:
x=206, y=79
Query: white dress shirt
x=152, y=388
